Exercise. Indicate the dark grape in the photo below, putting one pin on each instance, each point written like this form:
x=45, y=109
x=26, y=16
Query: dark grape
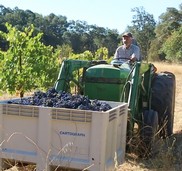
x=62, y=99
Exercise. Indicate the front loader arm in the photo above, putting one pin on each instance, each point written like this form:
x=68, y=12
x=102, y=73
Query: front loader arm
x=66, y=73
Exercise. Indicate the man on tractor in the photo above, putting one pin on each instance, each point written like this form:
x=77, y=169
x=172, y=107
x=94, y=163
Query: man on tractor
x=127, y=51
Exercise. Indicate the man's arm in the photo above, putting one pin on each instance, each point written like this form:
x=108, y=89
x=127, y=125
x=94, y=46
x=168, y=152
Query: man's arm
x=136, y=53
x=116, y=55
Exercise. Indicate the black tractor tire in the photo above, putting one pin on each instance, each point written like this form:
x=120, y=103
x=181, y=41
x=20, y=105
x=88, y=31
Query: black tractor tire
x=149, y=132
x=163, y=101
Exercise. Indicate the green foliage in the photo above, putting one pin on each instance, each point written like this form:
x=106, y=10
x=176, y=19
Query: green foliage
x=28, y=63
x=65, y=51
x=57, y=31
x=169, y=22
x=77, y=37
x=101, y=54
x=173, y=46
x=153, y=53
x=87, y=55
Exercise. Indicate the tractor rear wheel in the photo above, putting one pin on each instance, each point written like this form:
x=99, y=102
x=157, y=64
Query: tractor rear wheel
x=163, y=101
x=149, y=132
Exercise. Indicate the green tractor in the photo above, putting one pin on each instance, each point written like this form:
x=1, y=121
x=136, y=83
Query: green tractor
x=150, y=95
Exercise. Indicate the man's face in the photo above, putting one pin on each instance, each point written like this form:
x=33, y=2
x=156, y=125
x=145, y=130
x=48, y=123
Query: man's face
x=126, y=40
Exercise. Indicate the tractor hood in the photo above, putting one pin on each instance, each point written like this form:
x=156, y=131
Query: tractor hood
x=107, y=73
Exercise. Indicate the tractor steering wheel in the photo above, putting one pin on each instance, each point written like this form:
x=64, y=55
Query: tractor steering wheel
x=120, y=61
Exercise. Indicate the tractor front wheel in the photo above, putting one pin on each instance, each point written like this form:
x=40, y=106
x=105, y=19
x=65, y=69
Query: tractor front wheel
x=149, y=132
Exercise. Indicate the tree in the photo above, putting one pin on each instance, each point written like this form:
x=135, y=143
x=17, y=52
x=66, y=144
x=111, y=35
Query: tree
x=53, y=28
x=104, y=38
x=27, y=64
x=173, y=46
x=58, y=31
x=154, y=53
x=168, y=22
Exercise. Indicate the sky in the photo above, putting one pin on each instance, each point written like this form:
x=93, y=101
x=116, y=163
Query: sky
x=112, y=14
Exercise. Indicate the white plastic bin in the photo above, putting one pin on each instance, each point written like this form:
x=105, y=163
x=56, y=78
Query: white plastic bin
x=63, y=137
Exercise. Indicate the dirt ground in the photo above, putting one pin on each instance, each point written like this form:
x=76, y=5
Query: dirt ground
x=170, y=156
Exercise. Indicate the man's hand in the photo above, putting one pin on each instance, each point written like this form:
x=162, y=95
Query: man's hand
x=132, y=58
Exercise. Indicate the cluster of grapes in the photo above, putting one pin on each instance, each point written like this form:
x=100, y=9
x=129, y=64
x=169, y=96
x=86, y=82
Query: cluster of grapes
x=62, y=99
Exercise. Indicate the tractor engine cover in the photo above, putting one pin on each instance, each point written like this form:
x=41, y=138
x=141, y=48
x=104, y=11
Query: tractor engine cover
x=105, y=82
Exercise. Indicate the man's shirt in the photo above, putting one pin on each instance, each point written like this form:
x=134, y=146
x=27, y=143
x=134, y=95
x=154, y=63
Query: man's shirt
x=124, y=53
